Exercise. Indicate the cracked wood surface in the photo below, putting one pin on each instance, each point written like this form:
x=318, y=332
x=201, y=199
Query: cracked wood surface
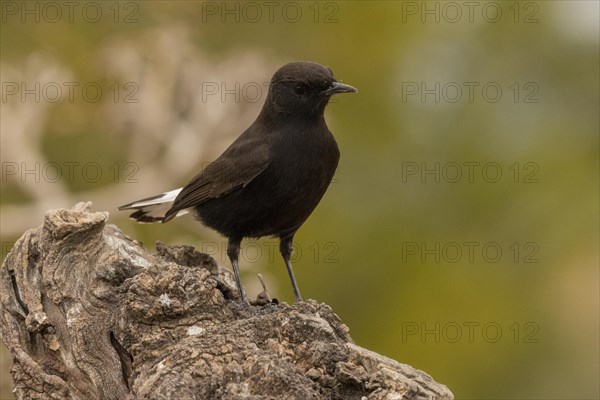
x=88, y=313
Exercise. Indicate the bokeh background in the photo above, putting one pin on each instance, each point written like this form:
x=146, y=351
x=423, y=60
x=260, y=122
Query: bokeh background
x=461, y=232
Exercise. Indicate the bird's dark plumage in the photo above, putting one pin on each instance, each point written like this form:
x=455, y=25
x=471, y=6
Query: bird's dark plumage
x=271, y=178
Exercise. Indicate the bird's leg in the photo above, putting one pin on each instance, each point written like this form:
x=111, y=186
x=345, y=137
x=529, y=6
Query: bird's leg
x=233, y=251
x=285, y=247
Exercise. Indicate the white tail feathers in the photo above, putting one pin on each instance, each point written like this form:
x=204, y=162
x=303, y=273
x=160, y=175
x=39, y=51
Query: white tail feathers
x=153, y=209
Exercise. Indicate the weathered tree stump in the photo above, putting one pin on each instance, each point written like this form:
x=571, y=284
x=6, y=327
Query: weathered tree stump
x=88, y=313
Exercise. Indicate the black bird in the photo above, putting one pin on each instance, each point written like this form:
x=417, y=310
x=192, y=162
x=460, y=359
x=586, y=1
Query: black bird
x=271, y=178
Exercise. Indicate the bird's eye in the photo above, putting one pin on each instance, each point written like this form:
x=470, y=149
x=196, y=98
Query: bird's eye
x=300, y=90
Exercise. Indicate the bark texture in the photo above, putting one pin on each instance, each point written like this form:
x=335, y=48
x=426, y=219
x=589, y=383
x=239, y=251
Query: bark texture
x=88, y=313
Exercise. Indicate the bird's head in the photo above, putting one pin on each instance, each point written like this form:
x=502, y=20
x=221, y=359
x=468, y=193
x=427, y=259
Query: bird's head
x=303, y=88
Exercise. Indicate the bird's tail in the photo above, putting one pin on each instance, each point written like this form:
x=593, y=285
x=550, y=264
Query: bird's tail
x=153, y=209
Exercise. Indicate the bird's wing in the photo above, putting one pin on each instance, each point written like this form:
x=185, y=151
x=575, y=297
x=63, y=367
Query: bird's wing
x=243, y=161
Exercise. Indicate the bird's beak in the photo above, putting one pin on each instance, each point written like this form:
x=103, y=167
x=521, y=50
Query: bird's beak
x=338, y=87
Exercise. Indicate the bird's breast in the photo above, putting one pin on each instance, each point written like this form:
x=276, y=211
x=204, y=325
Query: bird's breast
x=308, y=159
x=283, y=195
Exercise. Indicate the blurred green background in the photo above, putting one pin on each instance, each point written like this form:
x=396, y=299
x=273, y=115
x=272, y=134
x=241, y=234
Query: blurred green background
x=461, y=232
